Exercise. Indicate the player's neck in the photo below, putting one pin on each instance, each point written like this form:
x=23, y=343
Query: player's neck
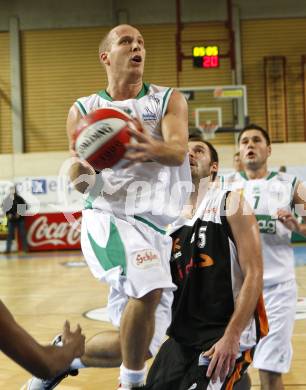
x=122, y=90
x=201, y=188
x=258, y=173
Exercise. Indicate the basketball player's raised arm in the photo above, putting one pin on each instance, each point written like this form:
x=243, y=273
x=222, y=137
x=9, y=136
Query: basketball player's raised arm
x=245, y=231
x=81, y=173
x=174, y=127
x=41, y=361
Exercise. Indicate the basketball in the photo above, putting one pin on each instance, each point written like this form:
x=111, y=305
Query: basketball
x=101, y=137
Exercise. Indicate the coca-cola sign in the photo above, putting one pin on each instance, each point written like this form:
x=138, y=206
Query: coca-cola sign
x=52, y=231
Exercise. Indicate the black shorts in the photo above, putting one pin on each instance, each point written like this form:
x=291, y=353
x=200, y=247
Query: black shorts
x=176, y=368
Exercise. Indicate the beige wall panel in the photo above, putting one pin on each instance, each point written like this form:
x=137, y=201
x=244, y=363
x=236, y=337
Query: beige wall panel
x=285, y=37
x=160, y=65
x=58, y=67
x=5, y=95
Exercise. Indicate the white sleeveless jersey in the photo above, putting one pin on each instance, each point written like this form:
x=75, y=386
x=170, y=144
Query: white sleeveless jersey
x=266, y=196
x=148, y=190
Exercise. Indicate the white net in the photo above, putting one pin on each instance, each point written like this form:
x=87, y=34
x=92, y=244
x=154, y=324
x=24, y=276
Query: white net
x=208, y=129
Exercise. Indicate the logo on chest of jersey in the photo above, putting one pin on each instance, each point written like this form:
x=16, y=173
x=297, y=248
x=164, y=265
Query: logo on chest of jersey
x=146, y=258
x=149, y=115
x=202, y=261
x=256, y=190
x=126, y=109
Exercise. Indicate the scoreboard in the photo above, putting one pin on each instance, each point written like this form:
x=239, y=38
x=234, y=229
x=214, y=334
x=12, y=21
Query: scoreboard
x=205, y=57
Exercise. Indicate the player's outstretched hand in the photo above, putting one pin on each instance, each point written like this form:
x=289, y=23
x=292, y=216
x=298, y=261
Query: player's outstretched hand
x=76, y=339
x=222, y=357
x=288, y=219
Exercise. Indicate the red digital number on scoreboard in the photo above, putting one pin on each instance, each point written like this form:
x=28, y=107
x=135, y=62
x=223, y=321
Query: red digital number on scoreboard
x=210, y=62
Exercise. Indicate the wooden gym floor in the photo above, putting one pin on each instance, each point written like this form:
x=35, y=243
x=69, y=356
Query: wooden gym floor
x=42, y=291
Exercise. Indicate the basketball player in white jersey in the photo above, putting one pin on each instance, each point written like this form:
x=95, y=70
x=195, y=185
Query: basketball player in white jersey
x=273, y=196
x=217, y=314
x=123, y=227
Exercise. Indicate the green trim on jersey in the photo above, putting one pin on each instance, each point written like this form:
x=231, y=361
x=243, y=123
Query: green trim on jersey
x=271, y=174
x=266, y=224
x=142, y=93
x=222, y=182
x=113, y=255
x=294, y=182
x=81, y=107
x=150, y=224
x=88, y=203
x=105, y=95
x=292, y=193
x=166, y=100
x=243, y=174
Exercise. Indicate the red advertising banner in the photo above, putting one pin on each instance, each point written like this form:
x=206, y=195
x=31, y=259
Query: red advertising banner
x=52, y=231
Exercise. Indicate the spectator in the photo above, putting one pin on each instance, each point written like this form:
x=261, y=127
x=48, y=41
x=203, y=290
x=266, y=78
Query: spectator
x=238, y=166
x=15, y=208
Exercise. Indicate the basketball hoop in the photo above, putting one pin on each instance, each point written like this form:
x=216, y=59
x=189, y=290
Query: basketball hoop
x=208, y=129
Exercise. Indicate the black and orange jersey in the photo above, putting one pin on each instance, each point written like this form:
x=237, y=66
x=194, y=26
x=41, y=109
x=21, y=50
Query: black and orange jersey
x=206, y=270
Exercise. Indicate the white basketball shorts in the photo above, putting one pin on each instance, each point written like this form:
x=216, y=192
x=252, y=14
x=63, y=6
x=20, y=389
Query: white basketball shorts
x=274, y=352
x=134, y=260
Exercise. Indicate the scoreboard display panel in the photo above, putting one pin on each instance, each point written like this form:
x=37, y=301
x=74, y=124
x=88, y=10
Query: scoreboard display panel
x=205, y=57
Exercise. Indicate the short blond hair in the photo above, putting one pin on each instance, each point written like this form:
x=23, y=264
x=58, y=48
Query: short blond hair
x=105, y=43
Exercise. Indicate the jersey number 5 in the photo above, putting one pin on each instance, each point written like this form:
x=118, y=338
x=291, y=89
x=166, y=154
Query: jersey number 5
x=202, y=237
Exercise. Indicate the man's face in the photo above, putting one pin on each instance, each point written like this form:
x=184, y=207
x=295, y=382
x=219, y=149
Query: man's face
x=126, y=52
x=200, y=160
x=254, y=150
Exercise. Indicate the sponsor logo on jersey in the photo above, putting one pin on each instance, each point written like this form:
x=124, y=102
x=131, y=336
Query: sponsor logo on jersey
x=146, y=259
x=149, y=115
x=155, y=99
x=212, y=210
x=177, y=255
x=202, y=261
x=266, y=224
x=176, y=249
x=126, y=109
x=256, y=190
x=206, y=261
x=176, y=246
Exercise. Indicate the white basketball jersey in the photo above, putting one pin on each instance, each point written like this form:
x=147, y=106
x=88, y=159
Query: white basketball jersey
x=266, y=196
x=148, y=189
